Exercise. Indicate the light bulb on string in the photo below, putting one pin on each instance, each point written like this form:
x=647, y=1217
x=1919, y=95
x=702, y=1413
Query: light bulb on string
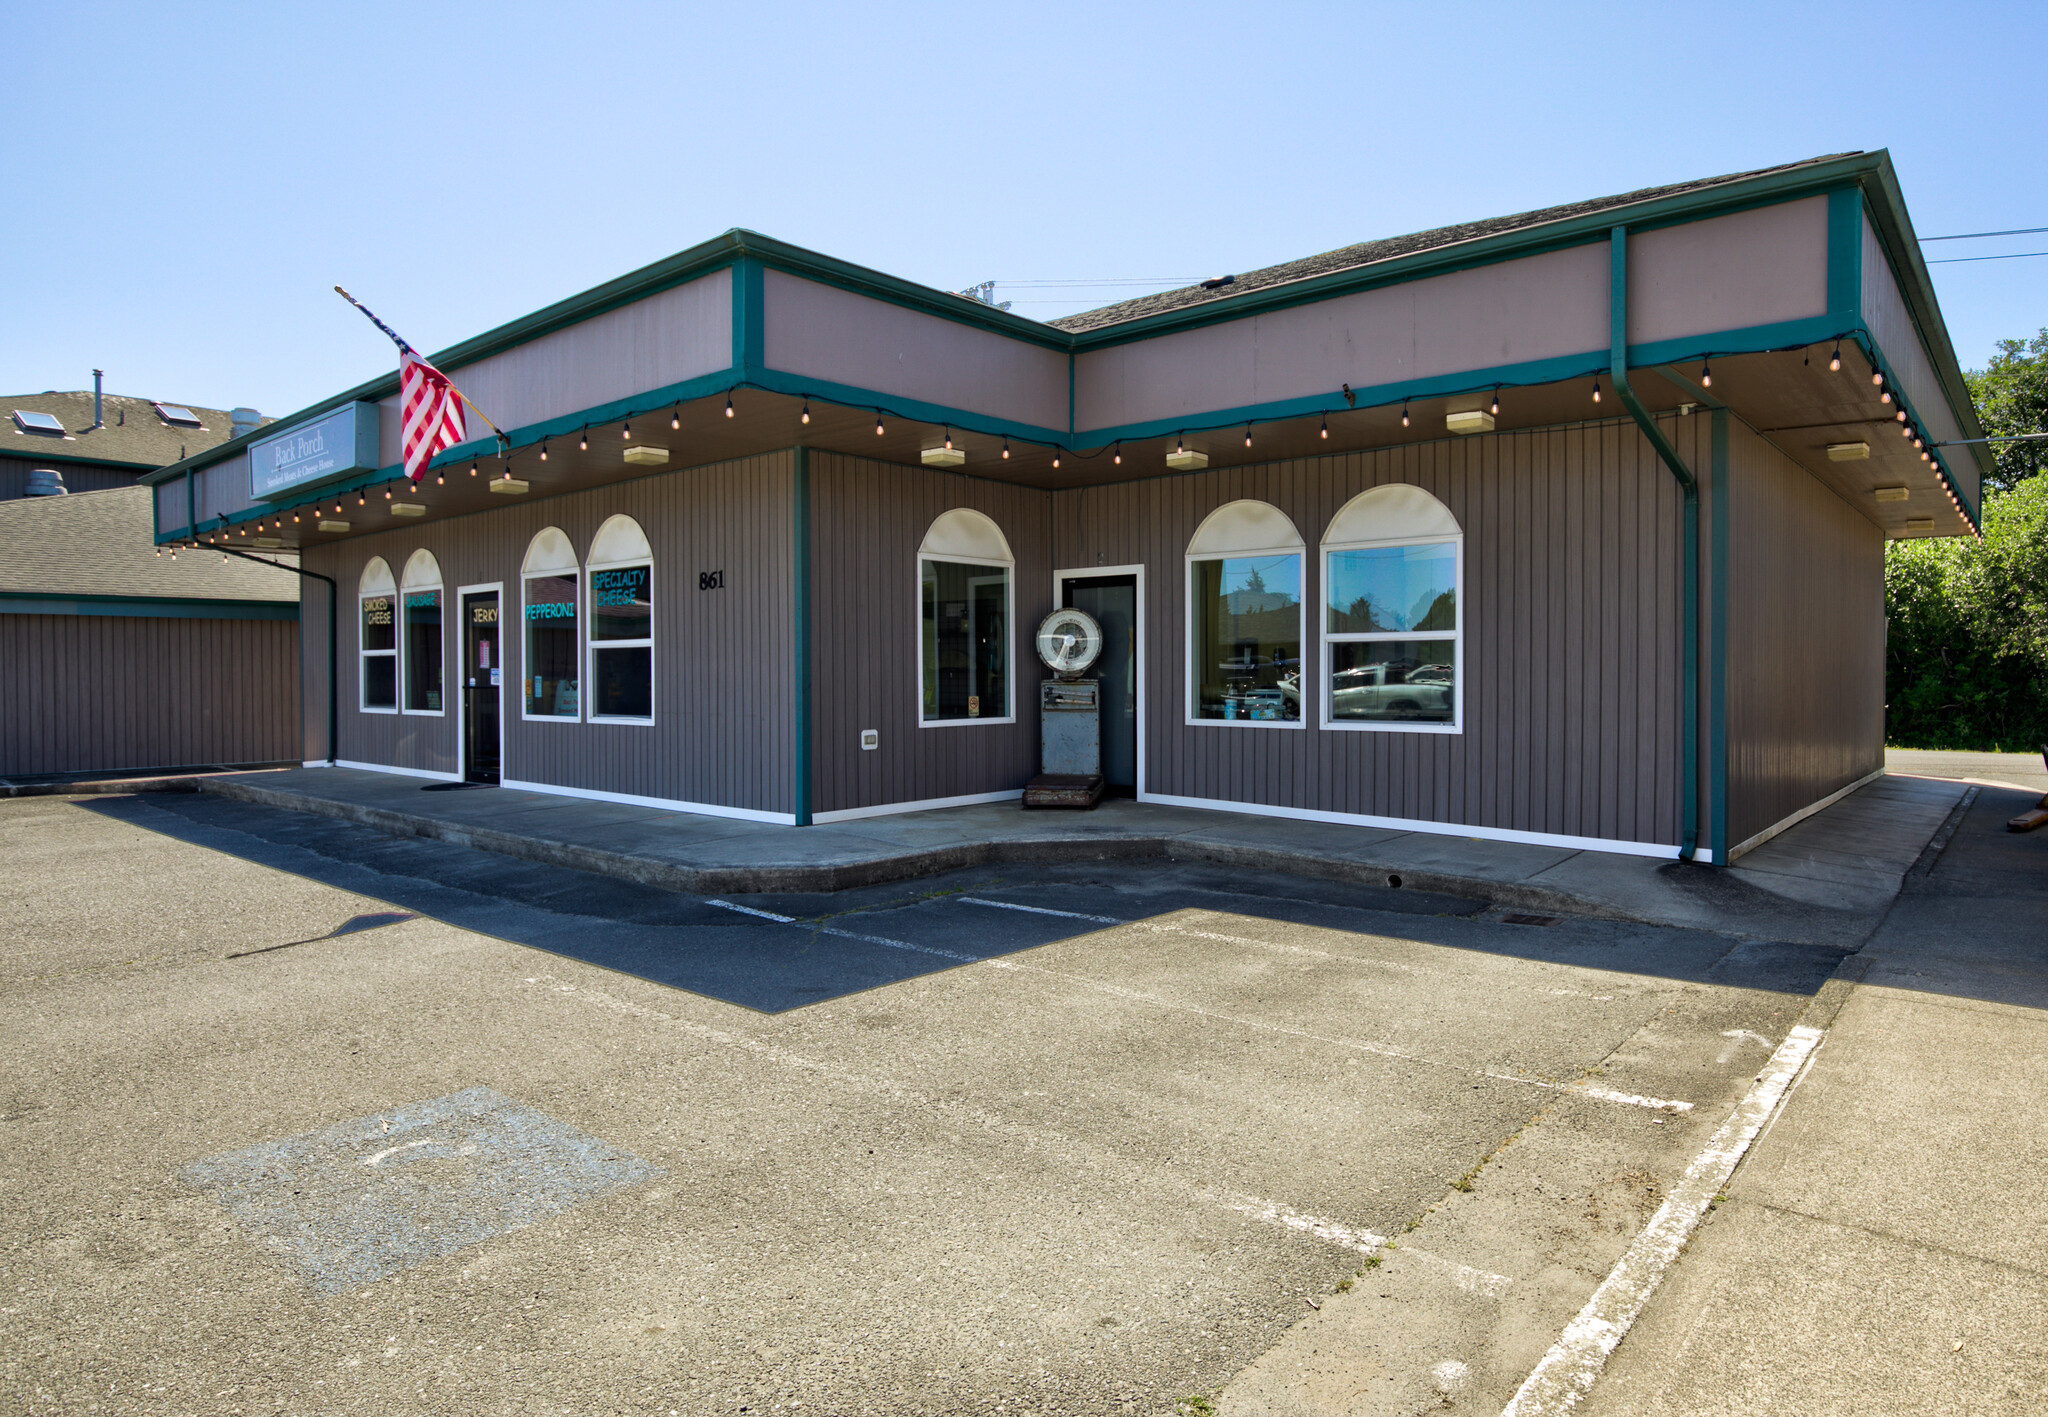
x=1706, y=375
x=472, y=469
x=675, y=416
x=807, y=411
x=728, y=405
x=1055, y=457
x=543, y=452
x=1495, y=410
x=1404, y=413
x=1900, y=415
x=440, y=479
x=1326, y=426
x=583, y=441
x=387, y=494
x=1247, y=435
x=159, y=553
x=1006, y=448
x=878, y=423
x=1117, y=456
x=626, y=432
x=360, y=502
x=1885, y=397
x=1178, y=446
x=1877, y=376
x=1596, y=388
x=949, y=440
x=1835, y=362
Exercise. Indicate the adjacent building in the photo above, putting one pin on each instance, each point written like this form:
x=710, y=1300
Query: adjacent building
x=1566, y=527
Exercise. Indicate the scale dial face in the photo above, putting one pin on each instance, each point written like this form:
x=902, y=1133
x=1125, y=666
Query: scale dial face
x=1069, y=641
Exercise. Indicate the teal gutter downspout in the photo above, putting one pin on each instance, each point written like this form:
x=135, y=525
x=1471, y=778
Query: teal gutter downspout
x=800, y=559
x=1717, y=611
x=1617, y=368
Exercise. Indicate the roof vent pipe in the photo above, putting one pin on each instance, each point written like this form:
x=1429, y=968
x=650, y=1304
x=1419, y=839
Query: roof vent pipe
x=244, y=420
x=45, y=482
x=97, y=420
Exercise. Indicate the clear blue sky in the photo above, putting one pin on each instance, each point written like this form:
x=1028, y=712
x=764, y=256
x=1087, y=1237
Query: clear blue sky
x=186, y=182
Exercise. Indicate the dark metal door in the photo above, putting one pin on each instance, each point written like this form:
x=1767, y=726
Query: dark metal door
x=482, y=674
x=1113, y=601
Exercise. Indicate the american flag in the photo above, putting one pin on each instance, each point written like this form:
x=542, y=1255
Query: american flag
x=432, y=412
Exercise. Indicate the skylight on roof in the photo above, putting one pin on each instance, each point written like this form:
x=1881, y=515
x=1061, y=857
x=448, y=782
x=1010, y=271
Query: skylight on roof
x=177, y=414
x=29, y=421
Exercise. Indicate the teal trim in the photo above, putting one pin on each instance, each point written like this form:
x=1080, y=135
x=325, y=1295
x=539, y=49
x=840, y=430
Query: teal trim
x=1845, y=254
x=1717, y=646
x=146, y=607
x=749, y=319
x=800, y=562
x=1784, y=334
x=775, y=381
x=35, y=454
x=1689, y=754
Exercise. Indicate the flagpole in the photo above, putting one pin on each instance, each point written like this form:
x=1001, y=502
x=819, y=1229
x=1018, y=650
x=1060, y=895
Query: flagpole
x=396, y=339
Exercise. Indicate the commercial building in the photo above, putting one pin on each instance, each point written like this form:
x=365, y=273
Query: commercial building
x=117, y=656
x=1566, y=527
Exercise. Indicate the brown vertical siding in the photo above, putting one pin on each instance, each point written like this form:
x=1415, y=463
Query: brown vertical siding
x=1805, y=705
x=105, y=693
x=723, y=659
x=1572, y=634
x=78, y=477
x=867, y=521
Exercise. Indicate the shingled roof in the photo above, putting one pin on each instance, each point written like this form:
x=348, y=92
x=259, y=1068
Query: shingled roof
x=1366, y=252
x=102, y=543
x=133, y=431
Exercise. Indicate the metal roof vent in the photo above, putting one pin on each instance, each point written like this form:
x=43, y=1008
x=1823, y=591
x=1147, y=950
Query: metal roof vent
x=45, y=482
x=244, y=420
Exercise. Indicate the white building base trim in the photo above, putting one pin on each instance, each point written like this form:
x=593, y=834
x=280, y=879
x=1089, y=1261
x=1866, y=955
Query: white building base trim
x=1359, y=819
x=890, y=809
x=1803, y=813
x=665, y=804
x=386, y=767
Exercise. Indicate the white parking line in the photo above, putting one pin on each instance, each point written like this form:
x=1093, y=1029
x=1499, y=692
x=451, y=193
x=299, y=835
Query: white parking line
x=845, y=934
x=1365, y=1242
x=1569, y=1370
x=1041, y=910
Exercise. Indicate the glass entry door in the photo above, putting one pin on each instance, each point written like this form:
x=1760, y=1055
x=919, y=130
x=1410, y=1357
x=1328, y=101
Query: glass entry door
x=482, y=674
x=1113, y=601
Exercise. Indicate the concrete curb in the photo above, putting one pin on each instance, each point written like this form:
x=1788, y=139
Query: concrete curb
x=796, y=879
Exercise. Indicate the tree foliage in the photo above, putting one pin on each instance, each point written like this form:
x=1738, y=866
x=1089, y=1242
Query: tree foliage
x=1966, y=663
x=2012, y=397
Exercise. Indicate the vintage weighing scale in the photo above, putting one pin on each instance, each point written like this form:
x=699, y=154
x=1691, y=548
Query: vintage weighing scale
x=1069, y=714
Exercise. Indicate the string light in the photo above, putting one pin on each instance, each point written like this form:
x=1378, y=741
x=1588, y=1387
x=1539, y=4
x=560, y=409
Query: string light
x=1495, y=410
x=159, y=553
x=728, y=405
x=472, y=469
x=1326, y=426
x=1877, y=376
x=1117, y=456
x=359, y=500
x=295, y=518
x=1706, y=375
x=440, y=479
x=675, y=416
x=1596, y=388
x=807, y=411
x=1900, y=415
x=878, y=423
x=1835, y=363
x=1055, y=457
x=387, y=494
x=1885, y=397
x=1006, y=447
x=626, y=432
x=1404, y=413
x=949, y=440
x=583, y=441
x=1247, y=435
x=1178, y=446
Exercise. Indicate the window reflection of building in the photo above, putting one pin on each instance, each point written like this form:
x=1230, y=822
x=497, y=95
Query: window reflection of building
x=1392, y=571
x=420, y=618
x=1245, y=612
x=965, y=591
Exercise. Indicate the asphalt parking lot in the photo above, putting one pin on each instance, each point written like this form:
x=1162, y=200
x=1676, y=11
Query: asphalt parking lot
x=303, y=1118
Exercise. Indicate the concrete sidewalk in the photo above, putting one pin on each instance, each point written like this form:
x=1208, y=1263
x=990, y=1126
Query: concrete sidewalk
x=1826, y=881
x=1885, y=1247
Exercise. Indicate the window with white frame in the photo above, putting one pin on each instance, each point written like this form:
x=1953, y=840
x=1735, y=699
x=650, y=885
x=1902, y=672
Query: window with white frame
x=549, y=580
x=377, y=639
x=621, y=638
x=1393, y=577
x=420, y=622
x=966, y=599
x=1245, y=618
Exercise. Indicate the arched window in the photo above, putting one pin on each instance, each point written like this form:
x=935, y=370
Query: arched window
x=420, y=593
x=1245, y=618
x=548, y=587
x=965, y=575
x=621, y=676
x=377, y=643
x=1393, y=634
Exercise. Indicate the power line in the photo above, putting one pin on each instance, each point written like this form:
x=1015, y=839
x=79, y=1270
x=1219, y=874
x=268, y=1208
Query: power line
x=1973, y=235
x=2009, y=256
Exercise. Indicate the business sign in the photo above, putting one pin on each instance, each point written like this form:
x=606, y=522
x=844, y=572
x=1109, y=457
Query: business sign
x=333, y=445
